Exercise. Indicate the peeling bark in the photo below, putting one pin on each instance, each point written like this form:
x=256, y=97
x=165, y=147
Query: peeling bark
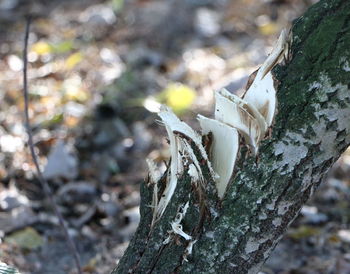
x=311, y=130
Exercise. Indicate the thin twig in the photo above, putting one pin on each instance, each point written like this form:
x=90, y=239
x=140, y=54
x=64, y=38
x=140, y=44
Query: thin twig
x=41, y=178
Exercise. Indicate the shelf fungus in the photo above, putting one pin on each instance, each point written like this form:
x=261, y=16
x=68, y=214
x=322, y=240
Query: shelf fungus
x=250, y=117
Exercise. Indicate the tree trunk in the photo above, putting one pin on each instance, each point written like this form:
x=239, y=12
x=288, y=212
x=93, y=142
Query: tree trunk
x=237, y=234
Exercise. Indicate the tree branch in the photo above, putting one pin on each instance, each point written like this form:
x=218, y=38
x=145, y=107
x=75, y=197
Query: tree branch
x=43, y=182
x=312, y=126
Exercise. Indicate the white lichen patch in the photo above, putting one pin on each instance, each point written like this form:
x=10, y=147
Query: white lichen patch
x=292, y=152
x=325, y=138
x=345, y=64
x=271, y=206
x=314, y=85
x=262, y=216
x=297, y=146
x=225, y=147
x=263, y=240
x=251, y=246
x=283, y=207
x=256, y=229
x=210, y=234
x=326, y=87
x=232, y=265
x=255, y=268
x=327, y=143
x=277, y=222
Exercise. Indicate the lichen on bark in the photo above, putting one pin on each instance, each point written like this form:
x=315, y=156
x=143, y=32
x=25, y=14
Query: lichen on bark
x=311, y=131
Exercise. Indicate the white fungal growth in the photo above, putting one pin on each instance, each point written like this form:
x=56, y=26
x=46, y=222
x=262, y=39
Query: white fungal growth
x=224, y=150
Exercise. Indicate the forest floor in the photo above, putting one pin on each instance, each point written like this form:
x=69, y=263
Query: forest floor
x=98, y=71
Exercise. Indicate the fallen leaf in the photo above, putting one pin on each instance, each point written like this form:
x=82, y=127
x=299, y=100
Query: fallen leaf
x=269, y=28
x=73, y=60
x=61, y=163
x=178, y=96
x=41, y=48
x=62, y=47
x=27, y=238
x=303, y=232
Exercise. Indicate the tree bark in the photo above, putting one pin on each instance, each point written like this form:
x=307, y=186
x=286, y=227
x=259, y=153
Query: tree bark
x=237, y=234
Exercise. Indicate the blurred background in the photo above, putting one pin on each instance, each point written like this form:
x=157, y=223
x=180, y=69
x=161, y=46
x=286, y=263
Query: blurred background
x=98, y=71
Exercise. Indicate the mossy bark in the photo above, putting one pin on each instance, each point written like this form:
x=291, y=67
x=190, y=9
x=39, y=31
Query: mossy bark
x=311, y=131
